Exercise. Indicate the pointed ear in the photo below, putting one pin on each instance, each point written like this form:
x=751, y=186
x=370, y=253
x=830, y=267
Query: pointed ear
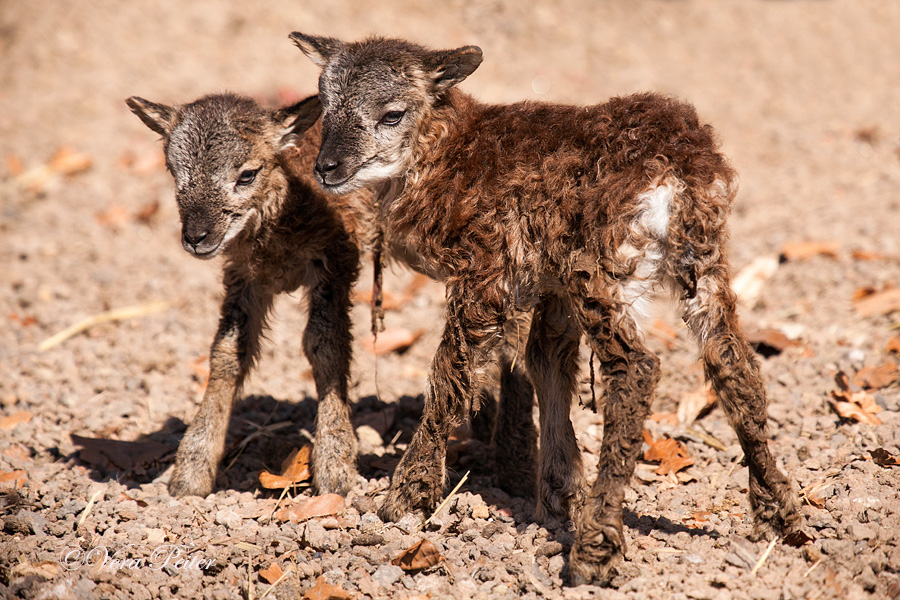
x=157, y=117
x=294, y=120
x=320, y=50
x=450, y=67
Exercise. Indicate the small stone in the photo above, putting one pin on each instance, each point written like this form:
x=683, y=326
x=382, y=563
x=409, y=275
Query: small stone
x=229, y=518
x=387, y=575
x=369, y=439
x=549, y=549
x=481, y=511
x=858, y=531
x=368, y=539
x=409, y=523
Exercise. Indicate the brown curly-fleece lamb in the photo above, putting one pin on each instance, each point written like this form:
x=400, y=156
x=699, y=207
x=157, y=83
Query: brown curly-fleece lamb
x=576, y=212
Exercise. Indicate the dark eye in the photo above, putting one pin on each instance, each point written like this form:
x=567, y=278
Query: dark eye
x=392, y=117
x=247, y=177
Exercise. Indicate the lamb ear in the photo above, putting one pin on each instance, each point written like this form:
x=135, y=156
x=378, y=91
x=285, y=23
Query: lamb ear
x=157, y=117
x=450, y=67
x=296, y=119
x=319, y=49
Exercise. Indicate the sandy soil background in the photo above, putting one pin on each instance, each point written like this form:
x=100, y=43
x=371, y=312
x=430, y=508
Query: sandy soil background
x=806, y=98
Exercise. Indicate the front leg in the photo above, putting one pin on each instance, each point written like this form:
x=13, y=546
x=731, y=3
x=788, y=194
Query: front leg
x=234, y=350
x=327, y=345
x=418, y=481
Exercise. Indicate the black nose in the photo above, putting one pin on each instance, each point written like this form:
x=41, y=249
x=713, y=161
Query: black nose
x=194, y=239
x=324, y=166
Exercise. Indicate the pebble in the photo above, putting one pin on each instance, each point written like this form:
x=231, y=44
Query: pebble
x=387, y=575
x=229, y=519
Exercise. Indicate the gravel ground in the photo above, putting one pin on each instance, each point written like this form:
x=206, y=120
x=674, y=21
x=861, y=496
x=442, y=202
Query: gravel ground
x=804, y=96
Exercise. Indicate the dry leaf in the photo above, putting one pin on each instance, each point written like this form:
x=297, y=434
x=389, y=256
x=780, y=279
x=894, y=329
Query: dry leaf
x=814, y=500
x=23, y=416
x=272, y=574
x=883, y=458
x=325, y=591
x=392, y=340
x=749, y=282
x=696, y=404
x=294, y=469
x=23, y=321
x=147, y=212
x=877, y=303
x=114, y=215
x=421, y=555
x=310, y=508
x=14, y=165
x=200, y=367
x=45, y=569
x=798, y=538
x=875, y=378
x=18, y=478
x=664, y=332
x=671, y=454
x=805, y=250
x=856, y=406
x=68, y=162
x=389, y=301
x=114, y=454
x=866, y=255
x=893, y=345
x=770, y=342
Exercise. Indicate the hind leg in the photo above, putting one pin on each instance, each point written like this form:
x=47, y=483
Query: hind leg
x=630, y=373
x=552, y=354
x=733, y=371
x=514, y=437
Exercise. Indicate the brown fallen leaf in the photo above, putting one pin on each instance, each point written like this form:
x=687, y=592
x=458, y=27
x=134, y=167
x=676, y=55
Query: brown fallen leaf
x=664, y=332
x=147, y=212
x=805, y=250
x=45, y=569
x=14, y=165
x=421, y=555
x=200, y=367
x=27, y=321
x=310, y=508
x=749, y=282
x=877, y=303
x=113, y=215
x=883, y=458
x=875, y=378
x=326, y=591
x=813, y=500
x=866, y=255
x=893, y=346
x=272, y=574
x=392, y=340
x=856, y=406
x=294, y=469
x=23, y=416
x=798, y=538
x=671, y=454
x=389, y=301
x=103, y=453
x=17, y=478
x=69, y=162
x=770, y=342
x=696, y=404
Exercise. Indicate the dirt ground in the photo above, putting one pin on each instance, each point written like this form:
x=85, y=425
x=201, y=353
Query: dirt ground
x=806, y=98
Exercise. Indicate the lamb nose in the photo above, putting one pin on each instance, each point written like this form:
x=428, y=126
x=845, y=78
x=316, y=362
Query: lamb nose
x=323, y=167
x=195, y=239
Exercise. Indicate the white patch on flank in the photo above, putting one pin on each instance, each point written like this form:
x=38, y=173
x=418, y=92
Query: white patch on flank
x=651, y=228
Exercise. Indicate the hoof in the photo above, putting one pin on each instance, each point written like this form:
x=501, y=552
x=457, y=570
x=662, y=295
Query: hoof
x=595, y=561
x=183, y=485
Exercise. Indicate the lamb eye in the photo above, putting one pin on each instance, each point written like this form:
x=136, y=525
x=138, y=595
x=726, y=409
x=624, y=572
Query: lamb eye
x=392, y=117
x=247, y=177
